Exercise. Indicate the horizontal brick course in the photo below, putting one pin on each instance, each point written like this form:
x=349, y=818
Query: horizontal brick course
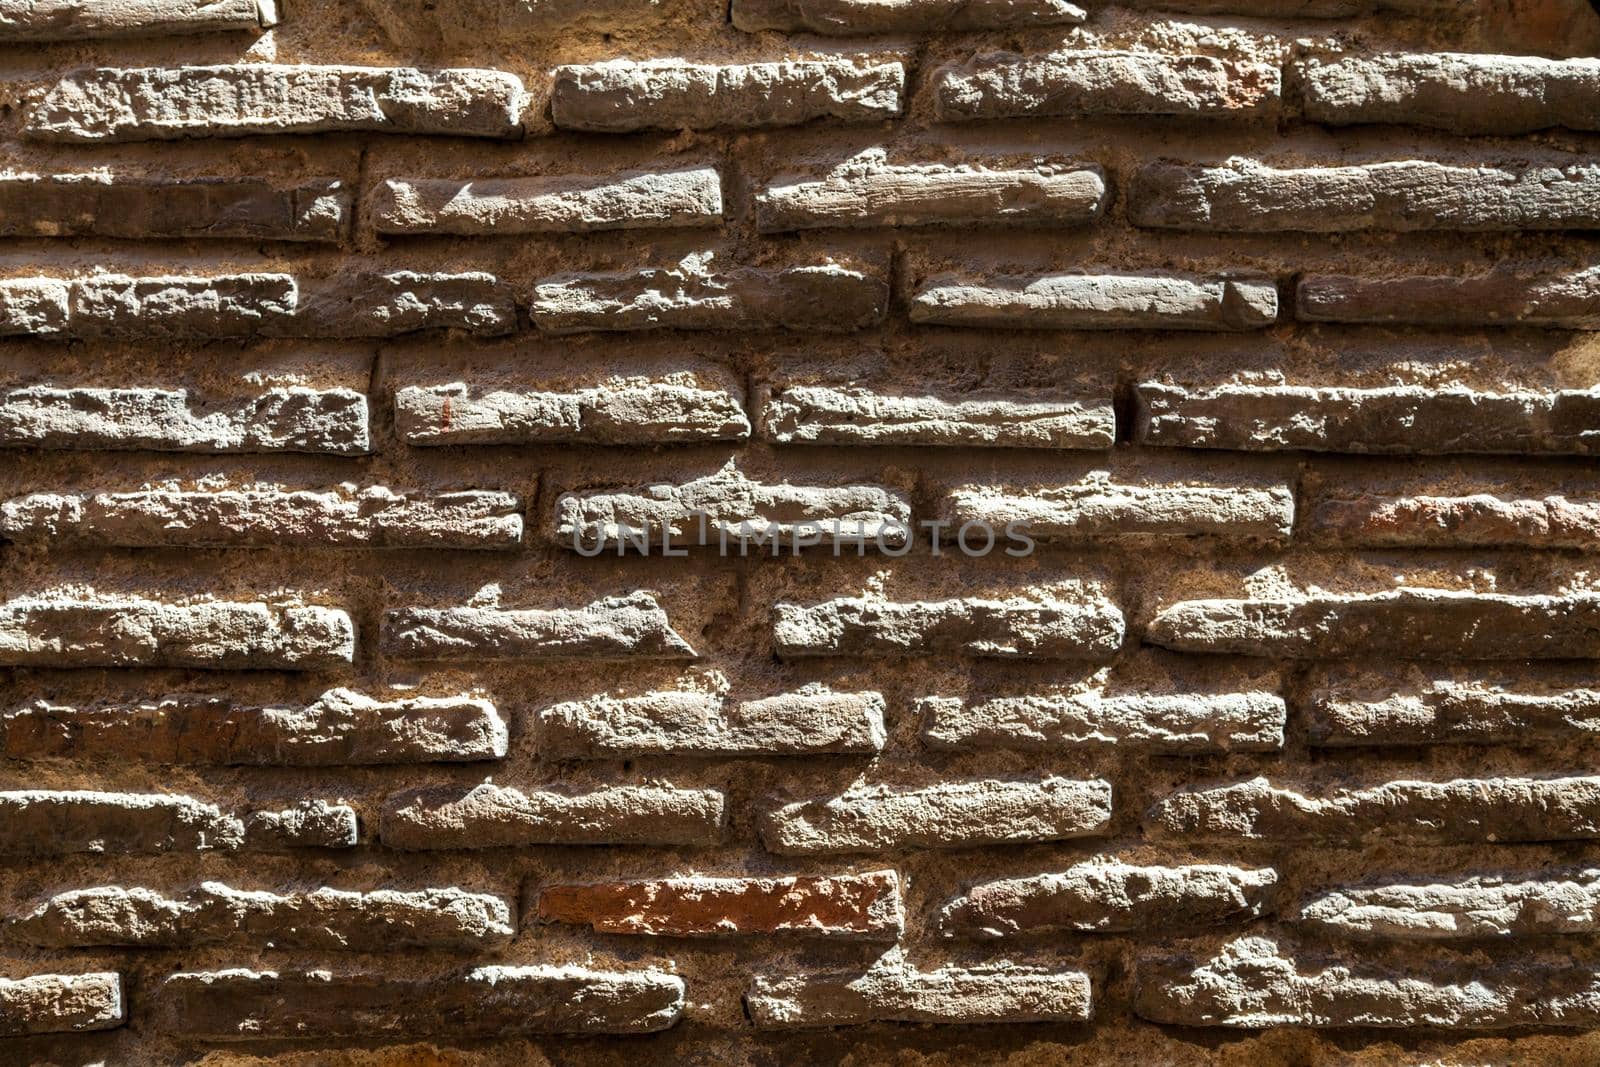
x=1434, y=521
x=1105, y=509
x=42, y=822
x=1562, y=300
x=616, y=628
x=889, y=993
x=807, y=414
x=61, y=1003
x=1365, y=710
x=490, y=816
x=1179, y=722
x=71, y=20
x=1493, y=906
x=96, y=205
x=853, y=18
x=1098, y=302
x=1042, y=628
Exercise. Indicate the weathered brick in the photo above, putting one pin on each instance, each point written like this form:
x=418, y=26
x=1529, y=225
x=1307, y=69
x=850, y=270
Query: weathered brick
x=1253, y=982
x=111, y=205
x=294, y=419
x=1491, y=906
x=341, y=728
x=806, y=414
x=422, y=24
x=1429, y=521
x=1308, y=9
x=856, y=907
x=69, y=20
x=1098, y=302
x=828, y=297
x=1107, y=895
x=308, y=824
x=1453, y=91
x=243, y=1005
x=1000, y=85
x=344, y=518
x=810, y=721
x=621, y=96
x=1402, y=419
x=133, y=632
x=33, y=306
x=53, y=823
x=961, y=814
x=370, y=304
x=1462, y=811
x=684, y=408
x=1409, y=623
x=554, y=204
x=1179, y=722
x=1041, y=628
x=1405, y=195
x=859, y=18
x=238, y=100
x=1098, y=509
x=1373, y=710
x=1563, y=300
x=867, y=190
x=727, y=507
x=216, y=914
x=183, y=307
x=491, y=816
x=1003, y=993
x=625, y=627
x=61, y=1003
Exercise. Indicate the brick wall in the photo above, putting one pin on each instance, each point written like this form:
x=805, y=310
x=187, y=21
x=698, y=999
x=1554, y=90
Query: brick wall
x=384, y=388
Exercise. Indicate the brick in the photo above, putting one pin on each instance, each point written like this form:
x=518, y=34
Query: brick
x=556, y=204
x=61, y=1003
x=341, y=728
x=1408, y=623
x=621, y=96
x=1402, y=420
x=1040, y=628
x=181, y=307
x=1450, y=521
x=1002, y=85
x=371, y=304
x=422, y=24
x=1563, y=300
x=1378, y=711
x=961, y=814
x=1461, y=811
x=308, y=824
x=1308, y=9
x=238, y=100
x=110, y=205
x=860, y=18
x=70, y=20
x=1175, y=723
x=491, y=816
x=42, y=822
x=867, y=190
x=330, y=421
x=1107, y=895
x=133, y=632
x=1098, y=302
x=1003, y=993
x=854, y=907
x=341, y=518
x=805, y=415
x=1490, y=906
x=684, y=408
x=1103, y=509
x=810, y=721
x=215, y=914
x=493, y=1001
x=730, y=507
x=826, y=297
x=33, y=306
x=1458, y=92
x=615, y=628
x=1254, y=982
x=1400, y=196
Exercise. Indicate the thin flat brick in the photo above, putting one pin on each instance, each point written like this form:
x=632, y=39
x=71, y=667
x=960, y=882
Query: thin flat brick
x=491, y=816
x=859, y=18
x=1490, y=906
x=621, y=96
x=1401, y=196
x=323, y=919
x=329, y=421
x=1477, y=519
x=1003, y=993
x=308, y=824
x=555, y=204
x=341, y=518
x=1107, y=510
x=615, y=628
x=1382, y=712
x=1399, y=420
x=71, y=20
x=61, y=1003
x=341, y=728
x=1071, y=84
x=1157, y=722
x=1458, y=812
x=806, y=414
x=33, y=306
x=493, y=1001
x=239, y=100
x=373, y=304
x=110, y=205
x=1408, y=623
x=181, y=306
x=1038, y=628
x=1459, y=92
x=1098, y=302
x=807, y=722
x=853, y=907
x=1107, y=896
x=42, y=822
x=1563, y=300
x=962, y=814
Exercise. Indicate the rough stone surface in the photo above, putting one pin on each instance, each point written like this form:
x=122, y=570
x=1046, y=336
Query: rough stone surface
x=805, y=414
x=308, y=824
x=389, y=304
x=854, y=18
x=1494, y=906
x=1108, y=509
x=1041, y=628
x=490, y=816
x=61, y=1003
x=100, y=205
x=1370, y=711
x=894, y=993
x=1431, y=521
x=1563, y=300
x=70, y=20
x=616, y=628
x=42, y=822
x=1178, y=722
x=1098, y=302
